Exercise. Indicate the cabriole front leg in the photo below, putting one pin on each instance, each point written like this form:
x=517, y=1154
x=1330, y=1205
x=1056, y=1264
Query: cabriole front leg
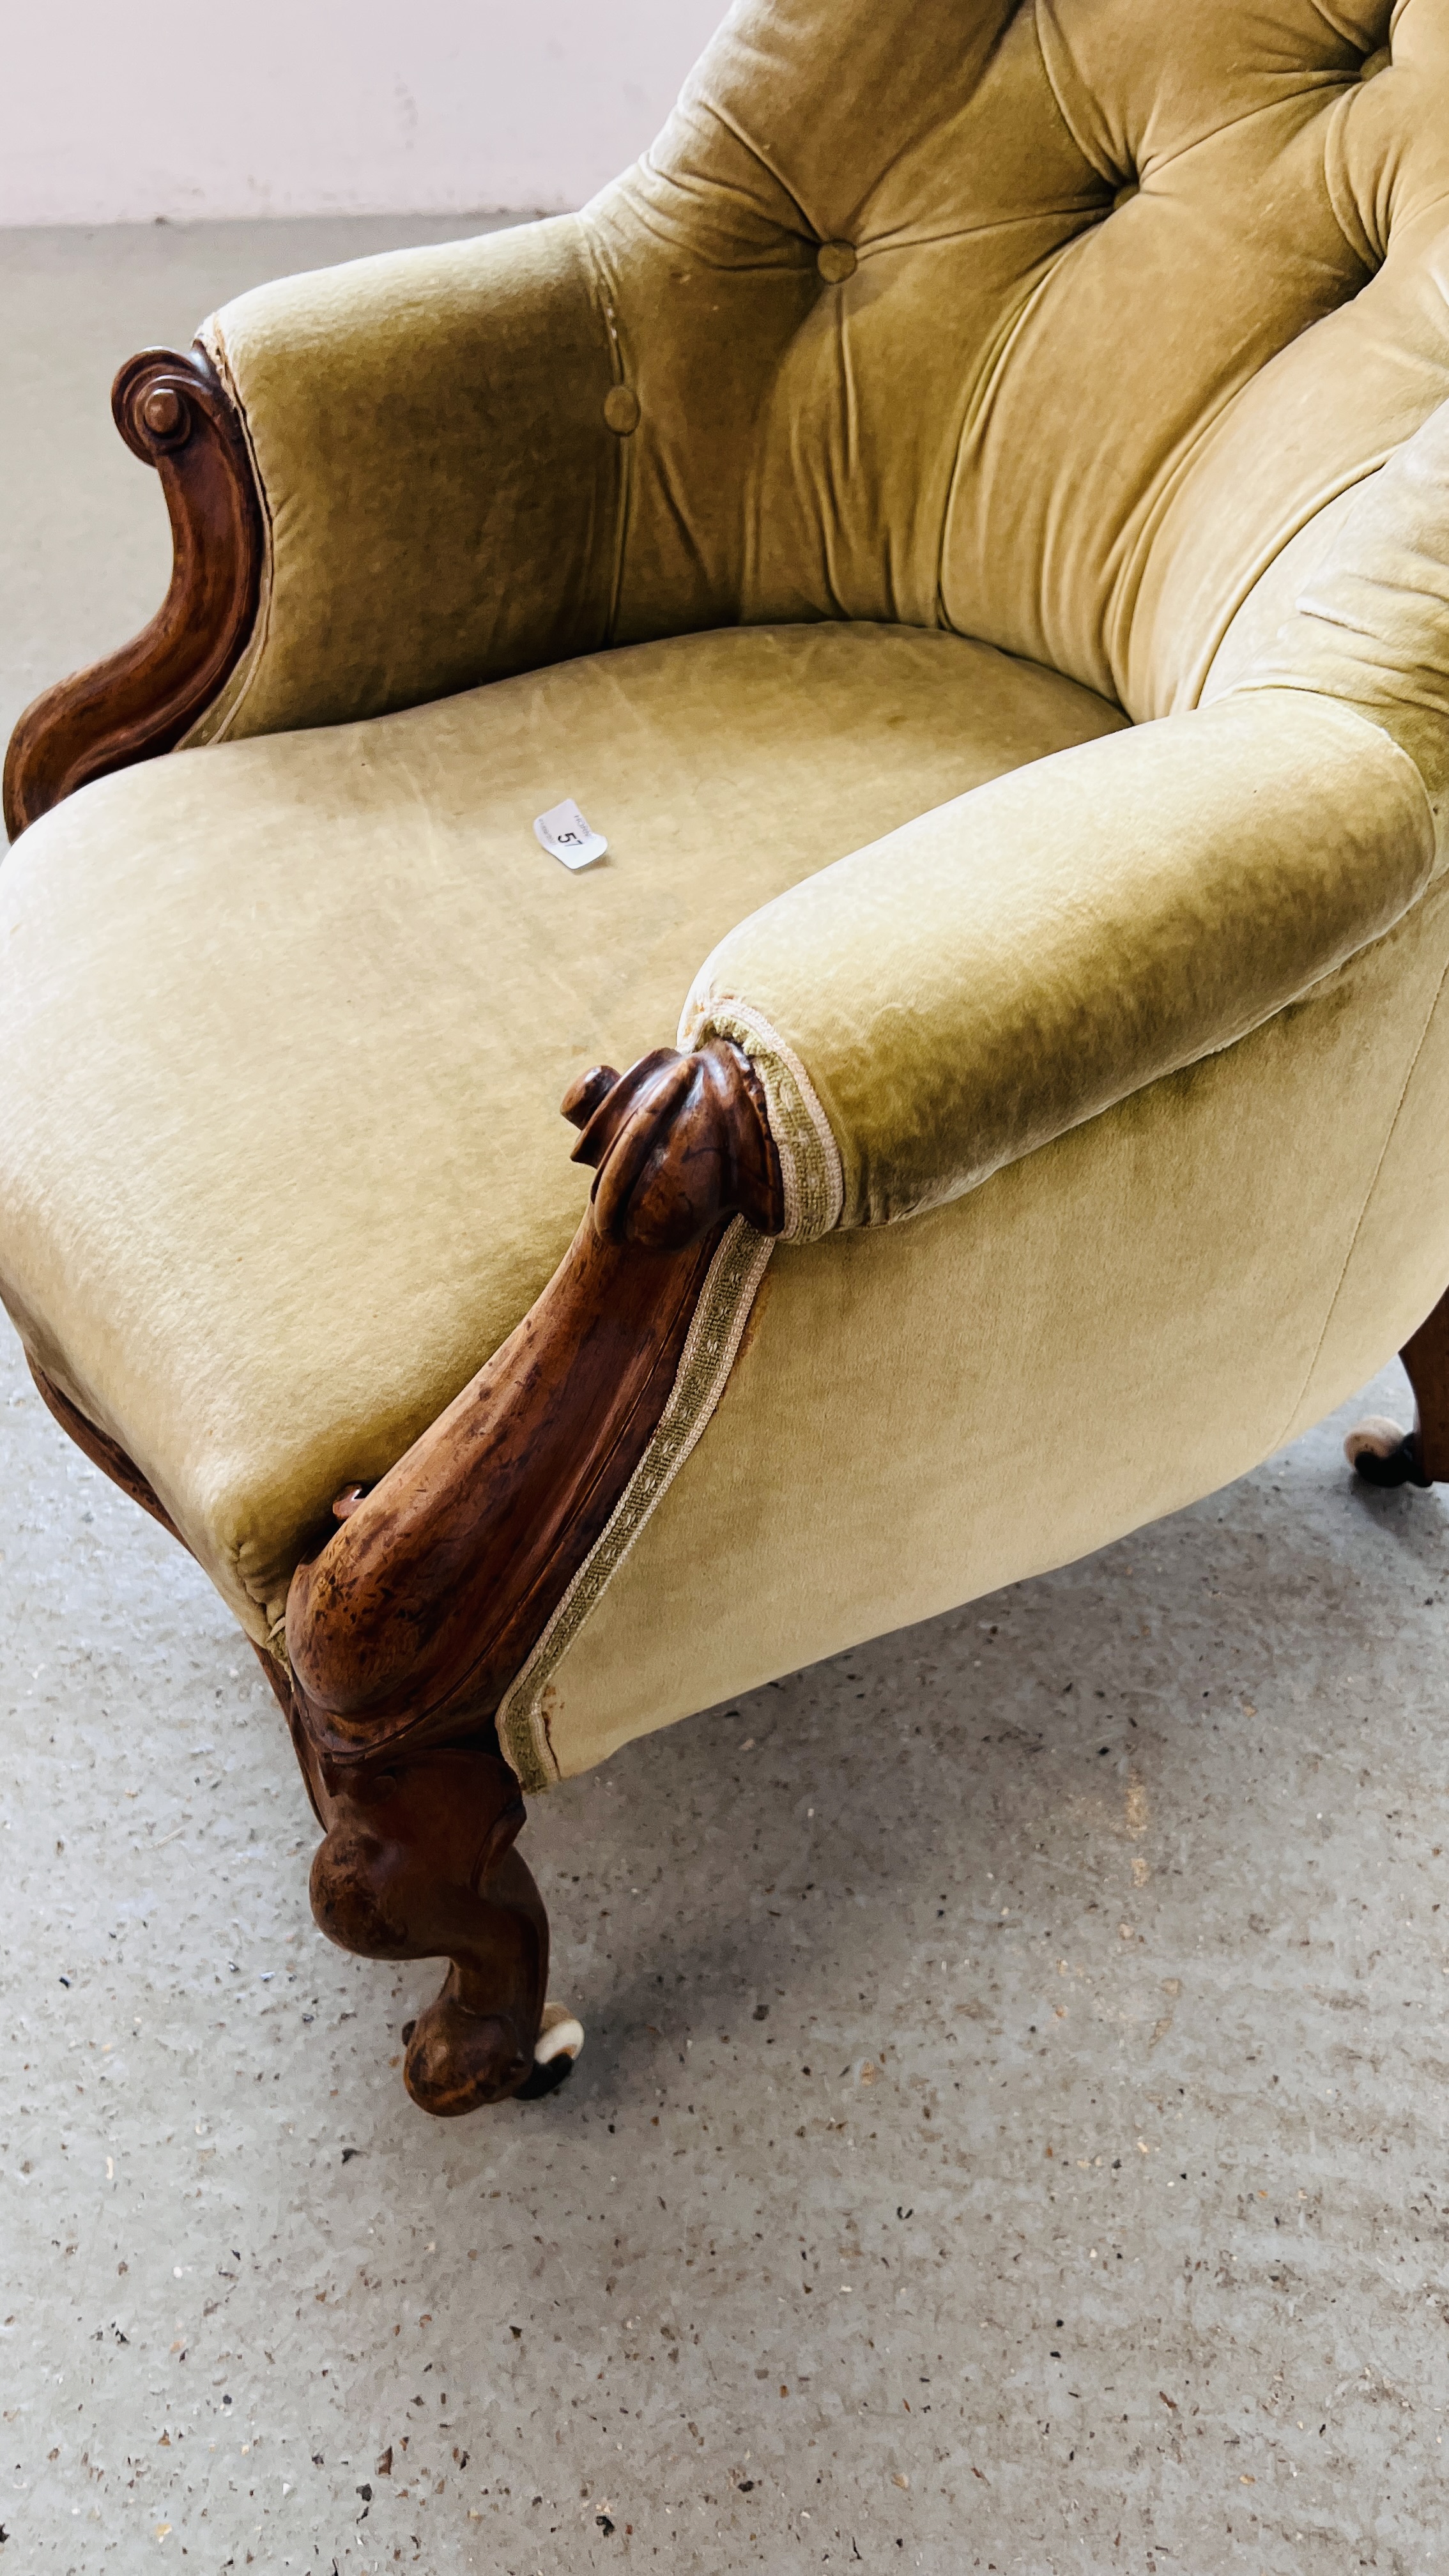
x=419, y=1863
x=407, y=1625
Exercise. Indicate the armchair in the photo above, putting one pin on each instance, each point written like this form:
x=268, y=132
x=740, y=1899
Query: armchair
x=967, y=517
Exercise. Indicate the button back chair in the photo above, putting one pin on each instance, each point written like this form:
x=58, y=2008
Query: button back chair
x=967, y=519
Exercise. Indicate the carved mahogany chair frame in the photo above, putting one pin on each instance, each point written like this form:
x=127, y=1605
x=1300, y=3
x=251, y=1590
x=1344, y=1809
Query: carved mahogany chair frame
x=404, y=1632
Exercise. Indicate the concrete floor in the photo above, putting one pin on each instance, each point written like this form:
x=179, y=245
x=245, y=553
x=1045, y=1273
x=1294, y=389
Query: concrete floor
x=1011, y=2133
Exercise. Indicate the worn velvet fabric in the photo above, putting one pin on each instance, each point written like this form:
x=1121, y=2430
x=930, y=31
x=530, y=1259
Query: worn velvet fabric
x=1013, y=439
x=1010, y=964
x=1109, y=1329
x=1129, y=295
x=286, y=1025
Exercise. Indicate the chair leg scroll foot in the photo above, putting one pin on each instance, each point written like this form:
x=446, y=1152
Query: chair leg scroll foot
x=419, y=1863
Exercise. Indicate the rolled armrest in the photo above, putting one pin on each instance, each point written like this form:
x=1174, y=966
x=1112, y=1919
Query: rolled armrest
x=440, y=482
x=958, y=993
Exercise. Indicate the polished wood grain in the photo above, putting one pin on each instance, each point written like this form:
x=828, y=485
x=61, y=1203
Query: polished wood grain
x=418, y=1863
x=406, y=1626
x=1426, y=1359
x=675, y=1142
x=414, y=1617
x=102, y=1451
x=174, y=413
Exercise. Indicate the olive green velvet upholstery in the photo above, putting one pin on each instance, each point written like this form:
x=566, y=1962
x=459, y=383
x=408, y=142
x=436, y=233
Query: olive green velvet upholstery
x=1110, y=1328
x=286, y=1026
x=1132, y=293
x=968, y=516
x=1014, y=962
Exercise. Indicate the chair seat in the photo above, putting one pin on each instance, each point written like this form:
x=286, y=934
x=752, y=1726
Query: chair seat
x=285, y=1025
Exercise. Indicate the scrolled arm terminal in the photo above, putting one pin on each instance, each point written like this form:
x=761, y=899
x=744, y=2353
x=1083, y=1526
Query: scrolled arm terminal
x=174, y=414
x=675, y=1143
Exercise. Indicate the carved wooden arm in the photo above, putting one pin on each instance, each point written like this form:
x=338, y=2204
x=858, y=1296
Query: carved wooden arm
x=408, y=1625
x=174, y=413
x=419, y=1611
x=406, y=1628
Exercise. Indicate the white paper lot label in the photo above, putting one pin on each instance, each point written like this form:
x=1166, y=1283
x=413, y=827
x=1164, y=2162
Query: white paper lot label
x=565, y=835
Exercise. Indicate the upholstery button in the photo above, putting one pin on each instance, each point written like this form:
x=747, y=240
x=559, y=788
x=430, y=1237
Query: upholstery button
x=1125, y=195
x=621, y=409
x=1374, y=63
x=836, y=262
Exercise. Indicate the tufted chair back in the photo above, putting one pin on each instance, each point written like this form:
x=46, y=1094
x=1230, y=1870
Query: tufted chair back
x=1054, y=322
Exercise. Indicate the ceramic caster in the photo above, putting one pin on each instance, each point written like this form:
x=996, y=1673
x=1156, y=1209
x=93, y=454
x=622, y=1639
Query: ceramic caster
x=555, y=2049
x=1382, y=1454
